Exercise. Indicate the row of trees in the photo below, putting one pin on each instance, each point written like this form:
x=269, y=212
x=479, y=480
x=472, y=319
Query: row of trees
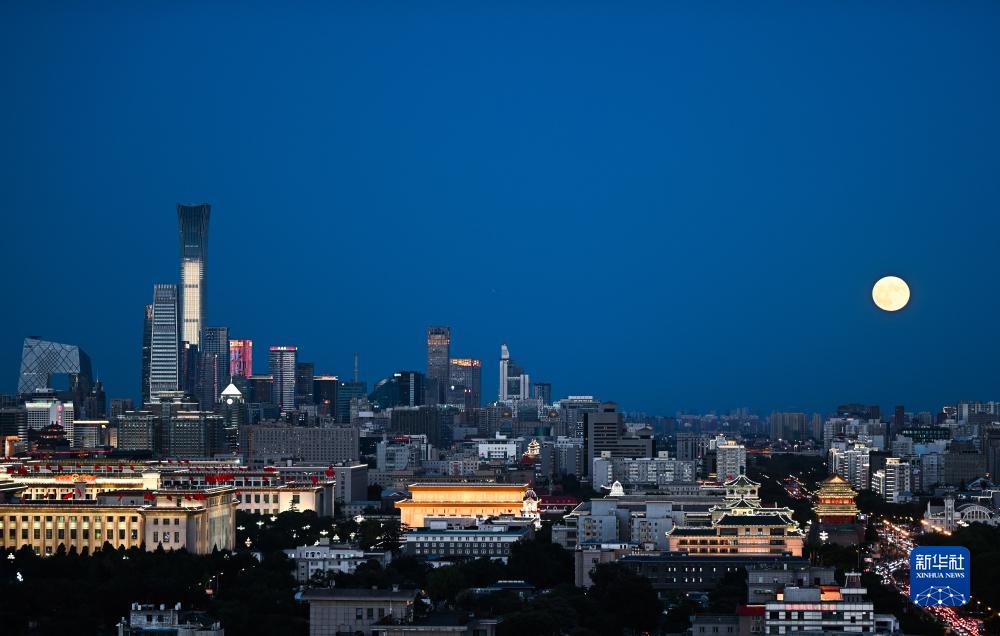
x=90, y=593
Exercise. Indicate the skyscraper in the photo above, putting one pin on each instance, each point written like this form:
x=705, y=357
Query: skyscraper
x=164, y=371
x=281, y=363
x=438, y=354
x=193, y=223
x=514, y=382
x=41, y=359
x=464, y=376
x=240, y=358
x=147, y=346
x=304, y=374
x=215, y=340
x=542, y=391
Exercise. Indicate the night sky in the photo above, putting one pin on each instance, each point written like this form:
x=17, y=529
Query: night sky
x=673, y=206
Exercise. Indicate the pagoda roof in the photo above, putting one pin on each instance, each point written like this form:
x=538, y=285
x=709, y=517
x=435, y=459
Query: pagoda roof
x=742, y=480
x=755, y=520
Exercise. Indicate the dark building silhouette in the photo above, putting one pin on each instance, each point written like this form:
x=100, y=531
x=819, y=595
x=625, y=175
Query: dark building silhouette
x=305, y=373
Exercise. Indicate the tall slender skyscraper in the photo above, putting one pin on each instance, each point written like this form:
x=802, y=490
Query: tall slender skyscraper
x=281, y=361
x=164, y=372
x=438, y=354
x=215, y=340
x=147, y=345
x=193, y=223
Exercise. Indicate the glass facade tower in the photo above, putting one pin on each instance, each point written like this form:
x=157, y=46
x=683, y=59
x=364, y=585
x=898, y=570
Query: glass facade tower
x=193, y=224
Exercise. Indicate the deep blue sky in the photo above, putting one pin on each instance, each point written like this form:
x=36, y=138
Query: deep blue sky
x=675, y=206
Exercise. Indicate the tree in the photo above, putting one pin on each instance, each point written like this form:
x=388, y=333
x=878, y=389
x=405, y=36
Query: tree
x=628, y=598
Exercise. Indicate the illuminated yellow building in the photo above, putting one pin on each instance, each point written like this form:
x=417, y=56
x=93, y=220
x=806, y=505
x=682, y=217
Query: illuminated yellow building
x=198, y=520
x=746, y=528
x=835, y=501
x=460, y=500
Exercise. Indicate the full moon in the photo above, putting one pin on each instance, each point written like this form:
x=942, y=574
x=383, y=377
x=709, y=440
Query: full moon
x=891, y=293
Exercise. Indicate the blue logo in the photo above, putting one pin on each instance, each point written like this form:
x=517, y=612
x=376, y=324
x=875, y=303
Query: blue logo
x=939, y=575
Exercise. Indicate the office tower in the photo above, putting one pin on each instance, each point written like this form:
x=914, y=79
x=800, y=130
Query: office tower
x=260, y=389
x=164, y=365
x=95, y=403
x=240, y=358
x=208, y=386
x=418, y=420
x=542, y=391
x=325, y=394
x=514, y=383
x=403, y=388
x=572, y=411
x=215, y=340
x=41, y=359
x=346, y=393
x=147, y=347
x=438, y=354
x=281, y=364
x=187, y=362
x=304, y=375
x=465, y=382
x=604, y=432
x=192, y=221
x=119, y=406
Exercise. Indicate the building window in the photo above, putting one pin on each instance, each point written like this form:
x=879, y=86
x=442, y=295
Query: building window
x=359, y=614
x=156, y=537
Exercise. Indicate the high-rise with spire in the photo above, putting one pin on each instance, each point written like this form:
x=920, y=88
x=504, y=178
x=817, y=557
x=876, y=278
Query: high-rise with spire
x=192, y=221
x=514, y=382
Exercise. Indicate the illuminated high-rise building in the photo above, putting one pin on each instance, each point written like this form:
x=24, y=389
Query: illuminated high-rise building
x=164, y=369
x=193, y=224
x=438, y=353
x=240, y=358
x=514, y=382
x=281, y=363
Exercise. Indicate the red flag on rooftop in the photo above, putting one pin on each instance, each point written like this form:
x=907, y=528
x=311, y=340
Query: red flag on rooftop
x=148, y=496
x=314, y=479
x=67, y=495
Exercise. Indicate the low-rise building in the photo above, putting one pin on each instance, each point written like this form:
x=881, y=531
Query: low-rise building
x=460, y=499
x=822, y=609
x=487, y=541
x=161, y=619
x=331, y=557
x=337, y=611
x=196, y=520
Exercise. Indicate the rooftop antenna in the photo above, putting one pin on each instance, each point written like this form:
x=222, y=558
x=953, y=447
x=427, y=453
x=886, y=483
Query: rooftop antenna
x=355, y=367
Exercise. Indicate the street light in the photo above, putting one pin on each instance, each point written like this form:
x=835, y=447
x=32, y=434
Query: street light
x=248, y=542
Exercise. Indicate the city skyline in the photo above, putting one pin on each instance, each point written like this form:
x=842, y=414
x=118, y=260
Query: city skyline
x=720, y=257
